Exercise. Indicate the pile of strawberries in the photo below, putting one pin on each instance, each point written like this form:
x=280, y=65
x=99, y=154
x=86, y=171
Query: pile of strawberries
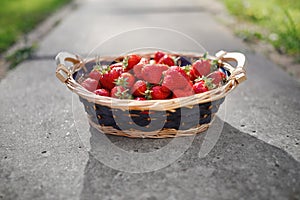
x=161, y=77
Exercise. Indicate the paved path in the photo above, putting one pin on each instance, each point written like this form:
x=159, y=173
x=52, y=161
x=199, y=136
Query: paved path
x=43, y=156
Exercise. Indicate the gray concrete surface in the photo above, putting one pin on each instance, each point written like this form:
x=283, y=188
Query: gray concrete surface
x=44, y=156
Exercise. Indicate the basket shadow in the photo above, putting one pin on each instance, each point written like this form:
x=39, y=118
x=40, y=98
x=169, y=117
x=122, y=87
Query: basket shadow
x=238, y=166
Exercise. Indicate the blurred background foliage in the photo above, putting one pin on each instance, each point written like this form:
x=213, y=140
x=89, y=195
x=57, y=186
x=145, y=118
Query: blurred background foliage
x=18, y=17
x=279, y=21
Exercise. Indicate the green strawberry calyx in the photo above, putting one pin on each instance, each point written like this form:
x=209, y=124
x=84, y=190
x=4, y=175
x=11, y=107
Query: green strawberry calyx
x=123, y=94
x=122, y=81
x=214, y=65
x=187, y=69
x=147, y=94
x=125, y=62
x=208, y=82
x=101, y=68
x=205, y=56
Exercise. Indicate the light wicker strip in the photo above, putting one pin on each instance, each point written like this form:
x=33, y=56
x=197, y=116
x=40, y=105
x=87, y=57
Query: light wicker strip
x=164, y=133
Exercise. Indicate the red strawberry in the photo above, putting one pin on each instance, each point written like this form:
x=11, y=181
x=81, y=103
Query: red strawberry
x=159, y=92
x=126, y=80
x=117, y=91
x=158, y=55
x=120, y=92
x=102, y=92
x=187, y=91
x=167, y=60
x=108, y=78
x=217, y=77
x=181, y=93
x=139, y=88
x=137, y=69
x=140, y=99
x=95, y=74
x=130, y=61
x=200, y=87
x=152, y=73
x=189, y=71
x=201, y=67
x=175, y=78
x=119, y=64
x=203, y=84
x=90, y=84
x=192, y=75
x=165, y=89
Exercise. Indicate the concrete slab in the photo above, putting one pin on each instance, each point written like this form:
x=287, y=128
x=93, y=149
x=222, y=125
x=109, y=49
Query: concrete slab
x=40, y=154
x=43, y=156
x=240, y=166
x=94, y=23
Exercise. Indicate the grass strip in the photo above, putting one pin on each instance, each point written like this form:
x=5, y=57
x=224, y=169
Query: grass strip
x=279, y=21
x=18, y=17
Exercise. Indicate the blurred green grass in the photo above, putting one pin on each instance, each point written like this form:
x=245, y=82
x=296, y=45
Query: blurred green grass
x=279, y=20
x=18, y=17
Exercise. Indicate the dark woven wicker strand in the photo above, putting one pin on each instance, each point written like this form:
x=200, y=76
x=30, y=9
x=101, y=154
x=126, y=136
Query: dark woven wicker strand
x=138, y=120
x=145, y=120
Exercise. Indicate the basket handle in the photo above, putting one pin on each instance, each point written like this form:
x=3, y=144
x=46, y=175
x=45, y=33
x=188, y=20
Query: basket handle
x=239, y=73
x=63, y=73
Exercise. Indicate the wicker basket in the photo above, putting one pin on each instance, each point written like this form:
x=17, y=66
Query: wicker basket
x=150, y=118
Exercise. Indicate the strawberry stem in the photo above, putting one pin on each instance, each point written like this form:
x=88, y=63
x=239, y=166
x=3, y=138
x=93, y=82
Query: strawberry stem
x=125, y=62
